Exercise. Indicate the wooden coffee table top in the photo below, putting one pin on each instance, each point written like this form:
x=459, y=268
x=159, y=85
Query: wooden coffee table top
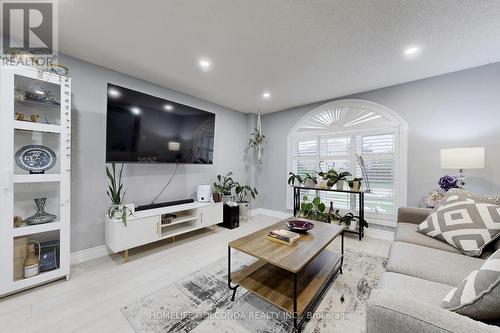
x=289, y=257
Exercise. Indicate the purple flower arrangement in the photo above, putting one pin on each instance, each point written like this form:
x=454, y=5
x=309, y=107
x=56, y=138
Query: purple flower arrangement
x=448, y=182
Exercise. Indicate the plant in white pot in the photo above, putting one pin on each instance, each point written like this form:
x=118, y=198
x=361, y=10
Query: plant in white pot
x=294, y=180
x=333, y=177
x=118, y=210
x=243, y=194
x=355, y=184
x=310, y=179
x=351, y=221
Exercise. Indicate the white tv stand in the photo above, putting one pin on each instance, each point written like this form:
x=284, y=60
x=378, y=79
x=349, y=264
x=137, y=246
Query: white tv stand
x=146, y=226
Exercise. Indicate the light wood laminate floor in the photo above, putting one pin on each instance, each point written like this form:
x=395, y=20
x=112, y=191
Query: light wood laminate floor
x=91, y=300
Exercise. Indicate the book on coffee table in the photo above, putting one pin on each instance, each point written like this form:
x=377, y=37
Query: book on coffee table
x=283, y=236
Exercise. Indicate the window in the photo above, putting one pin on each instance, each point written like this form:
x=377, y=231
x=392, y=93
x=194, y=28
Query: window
x=332, y=135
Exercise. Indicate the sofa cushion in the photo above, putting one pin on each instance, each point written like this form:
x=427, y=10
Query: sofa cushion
x=407, y=232
x=478, y=295
x=464, y=224
x=430, y=264
x=418, y=289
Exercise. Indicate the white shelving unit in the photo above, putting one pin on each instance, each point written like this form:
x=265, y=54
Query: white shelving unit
x=18, y=187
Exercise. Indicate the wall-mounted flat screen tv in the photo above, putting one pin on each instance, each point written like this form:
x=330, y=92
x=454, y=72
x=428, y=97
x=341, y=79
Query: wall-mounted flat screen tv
x=142, y=128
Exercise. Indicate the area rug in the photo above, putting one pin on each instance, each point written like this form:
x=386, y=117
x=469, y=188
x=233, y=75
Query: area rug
x=201, y=302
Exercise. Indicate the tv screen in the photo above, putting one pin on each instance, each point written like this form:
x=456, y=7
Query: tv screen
x=146, y=129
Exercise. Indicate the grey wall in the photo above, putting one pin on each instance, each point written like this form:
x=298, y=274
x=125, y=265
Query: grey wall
x=143, y=182
x=460, y=109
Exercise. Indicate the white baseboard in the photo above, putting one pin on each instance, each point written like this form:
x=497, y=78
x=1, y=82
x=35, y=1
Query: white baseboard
x=270, y=212
x=89, y=254
x=373, y=233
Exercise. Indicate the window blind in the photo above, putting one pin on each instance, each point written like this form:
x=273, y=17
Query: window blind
x=378, y=152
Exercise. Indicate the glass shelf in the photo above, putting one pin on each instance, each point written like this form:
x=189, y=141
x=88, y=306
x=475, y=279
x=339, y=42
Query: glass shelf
x=26, y=193
x=26, y=138
x=37, y=98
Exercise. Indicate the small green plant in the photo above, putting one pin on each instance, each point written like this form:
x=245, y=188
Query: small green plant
x=224, y=184
x=349, y=217
x=256, y=138
x=332, y=176
x=311, y=177
x=314, y=210
x=116, y=193
x=244, y=191
x=293, y=177
x=356, y=179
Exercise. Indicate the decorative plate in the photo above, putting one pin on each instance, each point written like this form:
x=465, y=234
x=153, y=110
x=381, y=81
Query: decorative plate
x=35, y=158
x=300, y=226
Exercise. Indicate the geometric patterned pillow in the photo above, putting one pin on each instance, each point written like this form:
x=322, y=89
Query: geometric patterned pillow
x=478, y=295
x=464, y=224
x=477, y=197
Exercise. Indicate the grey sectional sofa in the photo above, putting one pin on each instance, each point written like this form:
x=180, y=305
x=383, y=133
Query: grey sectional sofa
x=420, y=271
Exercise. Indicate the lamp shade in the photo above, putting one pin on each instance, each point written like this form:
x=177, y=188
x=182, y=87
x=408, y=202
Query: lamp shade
x=462, y=158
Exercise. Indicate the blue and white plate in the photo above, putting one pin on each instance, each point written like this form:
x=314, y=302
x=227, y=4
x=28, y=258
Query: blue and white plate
x=35, y=158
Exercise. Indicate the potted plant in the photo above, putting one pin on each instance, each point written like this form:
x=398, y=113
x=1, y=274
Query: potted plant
x=355, y=184
x=117, y=211
x=333, y=177
x=294, y=180
x=351, y=221
x=257, y=139
x=314, y=210
x=243, y=193
x=310, y=180
x=223, y=187
x=341, y=178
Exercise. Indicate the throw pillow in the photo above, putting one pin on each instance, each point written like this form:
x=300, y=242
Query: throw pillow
x=464, y=224
x=478, y=295
x=477, y=197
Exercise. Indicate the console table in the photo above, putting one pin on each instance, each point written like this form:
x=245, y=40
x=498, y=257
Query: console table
x=148, y=226
x=361, y=204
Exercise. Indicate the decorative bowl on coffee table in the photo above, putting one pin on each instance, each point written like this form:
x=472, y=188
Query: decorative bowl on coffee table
x=300, y=226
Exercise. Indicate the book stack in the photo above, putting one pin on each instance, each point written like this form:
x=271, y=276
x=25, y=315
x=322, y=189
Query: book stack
x=283, y=236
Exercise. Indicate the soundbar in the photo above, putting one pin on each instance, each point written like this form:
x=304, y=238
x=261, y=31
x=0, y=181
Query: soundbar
x=163, y=204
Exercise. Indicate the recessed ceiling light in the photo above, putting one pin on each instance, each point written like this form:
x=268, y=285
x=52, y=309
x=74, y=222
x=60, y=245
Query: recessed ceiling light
x=39, y=92
x=135, y=110
x=113, y=92
x=266, y=95
x=412, y=50
x=204, y=64
x=168, y=107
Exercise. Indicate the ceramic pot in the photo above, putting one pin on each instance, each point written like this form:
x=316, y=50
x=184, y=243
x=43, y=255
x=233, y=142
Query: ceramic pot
x=309, y=183
x=353, y=225
x=356, y=185
x=244, y=207
x=340, y=185
x=217, y=197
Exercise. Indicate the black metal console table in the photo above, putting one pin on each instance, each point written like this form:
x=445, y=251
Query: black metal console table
x=361, y=204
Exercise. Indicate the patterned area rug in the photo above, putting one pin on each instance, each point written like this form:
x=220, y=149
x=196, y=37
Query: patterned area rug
x=200, y=302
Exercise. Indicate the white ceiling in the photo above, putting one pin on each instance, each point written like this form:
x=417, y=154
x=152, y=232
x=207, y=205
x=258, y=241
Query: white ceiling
x=301, y=51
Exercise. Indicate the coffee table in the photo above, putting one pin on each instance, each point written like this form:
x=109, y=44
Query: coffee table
x=291, y=277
